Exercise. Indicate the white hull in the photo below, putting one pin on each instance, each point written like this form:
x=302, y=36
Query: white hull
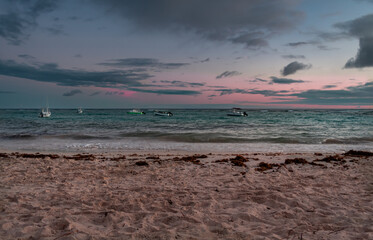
x=45, y=114
x=163, y=114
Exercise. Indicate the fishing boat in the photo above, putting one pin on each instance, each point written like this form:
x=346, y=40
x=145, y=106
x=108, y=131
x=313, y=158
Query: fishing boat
x=135, y=112
x=45, y=112
x=237, y=112
x=162, y=113
x=79, y=111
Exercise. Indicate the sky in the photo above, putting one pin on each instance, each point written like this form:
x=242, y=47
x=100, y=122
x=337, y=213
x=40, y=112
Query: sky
x=186, y=53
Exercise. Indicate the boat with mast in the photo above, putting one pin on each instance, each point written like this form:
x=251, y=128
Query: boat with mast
x=45, y=112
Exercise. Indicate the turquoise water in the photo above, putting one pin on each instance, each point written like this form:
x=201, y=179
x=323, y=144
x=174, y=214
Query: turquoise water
x=187, y=129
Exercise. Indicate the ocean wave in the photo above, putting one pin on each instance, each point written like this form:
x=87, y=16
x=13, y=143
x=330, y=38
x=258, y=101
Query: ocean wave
x=212, y=138
x=354, y=140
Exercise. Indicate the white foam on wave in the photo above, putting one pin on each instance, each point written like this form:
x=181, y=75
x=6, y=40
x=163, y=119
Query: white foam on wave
x=134, y=144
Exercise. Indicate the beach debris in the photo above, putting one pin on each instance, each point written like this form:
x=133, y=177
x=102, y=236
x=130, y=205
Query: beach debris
x=152, y=157
x=35, y=155
x=4, y=155
x=296, y=161
x=266, y=166
x=222, y=160
x=328, y=159
x=123, y=157
x=199, y=156
x=358, y=153
x=86, y=157
x=142, y=163
x=318, y=154
x=191, y=159
x=239, y=160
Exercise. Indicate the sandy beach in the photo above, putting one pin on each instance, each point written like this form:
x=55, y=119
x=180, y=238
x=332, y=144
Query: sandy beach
x=173, y=195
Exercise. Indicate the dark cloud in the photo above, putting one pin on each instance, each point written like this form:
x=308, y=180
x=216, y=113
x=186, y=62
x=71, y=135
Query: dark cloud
x=142, y=62
x=128, y=79
x=114, y=93
x=294, y=67
x=183, y=84
x=78, y=55
x=228, y=74
x=26, y=56
x=266, y=93
x=65, y=77
x=20, y=17
x=220, y=20
x=360, y=28
x=251, y=40
x=297, y=44
x=269, y=93
x=205, y=60
x=72, y=93
x=166, y=91
x=94, y=94
x=232, y=91
x=329, y=86
x=284, y=80
x=293, y=56
x=258, y=80
x=364, y=57
x=356, y=95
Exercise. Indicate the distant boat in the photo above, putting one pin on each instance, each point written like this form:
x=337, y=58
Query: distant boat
x=135, y=112
x=45, y=112
x=165, y=114
x=79, y=111
x=237, y=112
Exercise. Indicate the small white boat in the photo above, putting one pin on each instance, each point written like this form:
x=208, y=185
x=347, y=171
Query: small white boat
x=79, y=111
x=45, y=113
x=236, y=112
x=161, y=113
x=135, y=112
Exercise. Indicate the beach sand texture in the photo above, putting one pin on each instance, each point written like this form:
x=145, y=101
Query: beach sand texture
x=175, y=196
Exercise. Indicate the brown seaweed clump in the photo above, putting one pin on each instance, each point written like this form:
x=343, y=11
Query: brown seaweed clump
x=222, y=161
x=4, y=155
x=239, y=160
x=358, y=153
x=296, y=161
x=123, y=157
x=153, y=157
x=142, y=163
x=191, y=159
x=266, y=166
x=328, y=159
x=35, y=155
x=86, y=157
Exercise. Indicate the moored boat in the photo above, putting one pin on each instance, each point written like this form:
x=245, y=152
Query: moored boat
x=237, y=112
x=135, y=112
x=45, y=113
x=162, y=113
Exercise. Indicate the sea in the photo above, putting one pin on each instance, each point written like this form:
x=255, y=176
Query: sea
x=198, y=130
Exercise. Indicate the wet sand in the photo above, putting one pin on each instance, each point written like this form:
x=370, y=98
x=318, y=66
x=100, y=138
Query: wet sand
x=185, y=196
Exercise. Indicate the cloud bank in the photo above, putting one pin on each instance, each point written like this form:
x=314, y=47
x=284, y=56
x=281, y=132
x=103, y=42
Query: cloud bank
x=247, y=22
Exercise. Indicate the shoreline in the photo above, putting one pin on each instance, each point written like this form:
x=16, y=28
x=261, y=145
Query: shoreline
x=185, y=195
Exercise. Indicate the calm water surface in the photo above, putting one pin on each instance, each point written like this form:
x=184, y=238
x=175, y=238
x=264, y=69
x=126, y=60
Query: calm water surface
x=196, y=130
